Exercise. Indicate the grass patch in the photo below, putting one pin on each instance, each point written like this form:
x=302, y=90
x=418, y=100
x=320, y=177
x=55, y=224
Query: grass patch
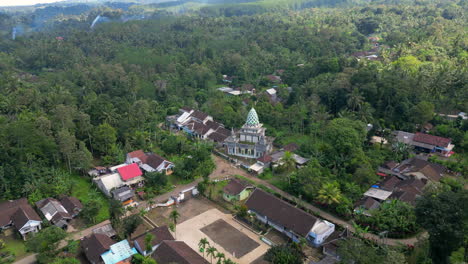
x=14, y=245
x=84, y=190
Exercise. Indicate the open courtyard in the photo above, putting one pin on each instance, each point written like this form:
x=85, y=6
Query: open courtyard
x=237, y=242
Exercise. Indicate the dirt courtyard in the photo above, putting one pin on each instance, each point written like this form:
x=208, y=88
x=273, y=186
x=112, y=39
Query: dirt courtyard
x=225, y=168
x=187, y=209
x=224, y=233
x=231, y=239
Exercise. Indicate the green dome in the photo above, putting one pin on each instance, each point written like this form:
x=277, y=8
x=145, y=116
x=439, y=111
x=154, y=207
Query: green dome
x=252, y=118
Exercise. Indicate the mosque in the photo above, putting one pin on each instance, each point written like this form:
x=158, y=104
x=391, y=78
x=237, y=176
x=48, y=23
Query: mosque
x=250, y=141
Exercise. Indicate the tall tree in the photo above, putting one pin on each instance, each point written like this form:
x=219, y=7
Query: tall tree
x=444, y=216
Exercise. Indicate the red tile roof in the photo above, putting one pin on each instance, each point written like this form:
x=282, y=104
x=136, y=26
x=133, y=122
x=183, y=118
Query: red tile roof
x=129, y=172
x=432, y=140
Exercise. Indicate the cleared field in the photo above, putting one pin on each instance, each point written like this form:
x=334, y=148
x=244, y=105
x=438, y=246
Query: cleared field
x=229, y=238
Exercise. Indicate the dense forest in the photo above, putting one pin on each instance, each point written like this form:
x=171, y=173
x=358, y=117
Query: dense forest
x=72, y=97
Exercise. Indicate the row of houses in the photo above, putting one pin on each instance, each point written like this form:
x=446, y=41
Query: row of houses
x=100, y=248
x=403, y=181
x=118, y=182
x=198, y=125
x=281, y=215
x=19, y=214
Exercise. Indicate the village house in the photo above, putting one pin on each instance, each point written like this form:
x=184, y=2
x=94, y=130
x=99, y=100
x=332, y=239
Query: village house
x=123, y=194
x=160, y=234
x=118, y=183
x=236, y=190
x=170, y=251
x=107, y=230
x=150, y=162
x=232, y=91
x=287, y=219
x=426, y=143
x=198, y=125
x=120, y=252
x=250, y=141
x=94, y=246
x=19, y=214
x=276, y=159
x=56, y=211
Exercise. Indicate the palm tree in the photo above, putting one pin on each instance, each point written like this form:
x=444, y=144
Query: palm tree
x=202, y=244
x=355, y=100
x=149, y=242
x=211, y=251
x=329, y=193
x=289, y=164
x=174, y=216
x=220, y=256
x=228, y=261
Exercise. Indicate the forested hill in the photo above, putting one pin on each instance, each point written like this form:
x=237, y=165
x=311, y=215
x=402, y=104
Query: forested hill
x=105, y=90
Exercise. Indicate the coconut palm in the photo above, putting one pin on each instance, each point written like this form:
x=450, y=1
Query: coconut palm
x=228, y=261
x=174, y=216
x=355, y=100
x=211, y=251
x=220, y=256
x=329, y=193
x=289, y=164
x=202, y=244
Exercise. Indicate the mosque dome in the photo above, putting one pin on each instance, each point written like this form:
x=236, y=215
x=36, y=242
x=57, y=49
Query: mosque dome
x=252, y=118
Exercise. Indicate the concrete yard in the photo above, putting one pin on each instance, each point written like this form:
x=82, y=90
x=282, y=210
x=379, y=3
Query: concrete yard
x=224, y=233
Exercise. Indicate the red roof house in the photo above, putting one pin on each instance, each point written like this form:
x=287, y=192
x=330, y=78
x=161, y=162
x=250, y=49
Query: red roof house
x=129, y=172
x=432, y=140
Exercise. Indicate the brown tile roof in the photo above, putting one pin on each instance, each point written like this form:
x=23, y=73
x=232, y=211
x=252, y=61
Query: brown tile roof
x=431, y=170
x=368, y=203
x=199, y=115
x=223, y=131
x=281, y=212
x=18, y=211
x=217, y=137
x=154, y=160
x=389, y=183
x=432, y=140
x=160, y=234
x=212, y=124
x=94, y=245
x=71, y=204
x=265, y=158
x=291, y=147
x=390, y=165
x=136, y=154
x=177, y=252
x=234, y=187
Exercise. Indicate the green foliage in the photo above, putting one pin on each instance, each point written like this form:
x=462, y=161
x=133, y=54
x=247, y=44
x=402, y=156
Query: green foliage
x=444, y=216
x=156, y=180
x=90, y=211
x=130, y=224
x=285, y=254
x=395, y=217
x=46, y=240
